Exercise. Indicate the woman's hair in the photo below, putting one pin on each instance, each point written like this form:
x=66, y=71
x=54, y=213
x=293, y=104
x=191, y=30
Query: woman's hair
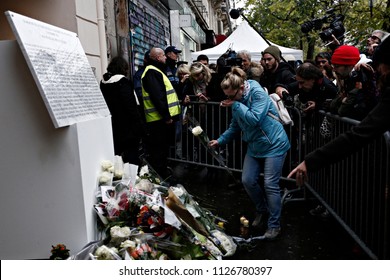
x=234, y=79
x=118, y=65
x=183, y=69
x=197, y=68
x=329, y=72
x=309, y=71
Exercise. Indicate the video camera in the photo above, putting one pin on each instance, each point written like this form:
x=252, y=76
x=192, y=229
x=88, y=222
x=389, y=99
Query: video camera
x=335, y=27
x=226, y=61
x=229, y=58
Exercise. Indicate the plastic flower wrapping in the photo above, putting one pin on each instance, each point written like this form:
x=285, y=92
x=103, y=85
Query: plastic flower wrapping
x=142, y=219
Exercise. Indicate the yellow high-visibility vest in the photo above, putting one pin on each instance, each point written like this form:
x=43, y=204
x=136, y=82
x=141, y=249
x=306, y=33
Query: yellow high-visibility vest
x=151, y=114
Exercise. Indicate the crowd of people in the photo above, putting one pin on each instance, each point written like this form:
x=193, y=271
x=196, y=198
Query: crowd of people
x=147, y=109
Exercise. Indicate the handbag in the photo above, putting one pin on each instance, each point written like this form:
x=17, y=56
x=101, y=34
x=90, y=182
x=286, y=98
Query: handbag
x=284, y=117
x=326, y=128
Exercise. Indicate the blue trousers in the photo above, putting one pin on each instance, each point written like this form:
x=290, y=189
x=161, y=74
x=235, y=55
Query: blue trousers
x=266, y=198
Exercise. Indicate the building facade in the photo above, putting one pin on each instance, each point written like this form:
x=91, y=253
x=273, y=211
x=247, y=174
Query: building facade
x=190, y=25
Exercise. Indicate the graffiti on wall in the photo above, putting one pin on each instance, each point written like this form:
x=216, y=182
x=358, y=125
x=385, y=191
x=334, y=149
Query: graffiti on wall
x=146, y=31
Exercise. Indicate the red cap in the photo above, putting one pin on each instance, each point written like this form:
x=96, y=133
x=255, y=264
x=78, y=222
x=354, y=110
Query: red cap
x=346, y=55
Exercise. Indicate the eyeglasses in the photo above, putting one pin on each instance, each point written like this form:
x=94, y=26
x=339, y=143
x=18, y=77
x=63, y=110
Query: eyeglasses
x=234, y=96
x=373, y=37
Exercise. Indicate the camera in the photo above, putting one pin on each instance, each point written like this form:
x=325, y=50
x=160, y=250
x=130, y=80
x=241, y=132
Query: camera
x=226, y=61
x=335, y=27
x=287, y=99
x=229, y=58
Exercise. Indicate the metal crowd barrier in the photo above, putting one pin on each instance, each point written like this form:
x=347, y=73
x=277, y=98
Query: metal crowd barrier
x=214, y=120
x=355, y=191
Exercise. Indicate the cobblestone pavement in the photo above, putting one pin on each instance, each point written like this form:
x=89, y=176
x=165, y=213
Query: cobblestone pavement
x=303, y=237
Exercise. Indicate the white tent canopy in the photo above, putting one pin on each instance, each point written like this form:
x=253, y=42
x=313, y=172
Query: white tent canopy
x=246, y=38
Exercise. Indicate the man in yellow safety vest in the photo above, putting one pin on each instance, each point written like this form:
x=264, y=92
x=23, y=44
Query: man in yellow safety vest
x=162, y=111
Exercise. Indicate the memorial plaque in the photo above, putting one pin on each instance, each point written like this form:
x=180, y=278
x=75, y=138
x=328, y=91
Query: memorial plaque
x=60, y=69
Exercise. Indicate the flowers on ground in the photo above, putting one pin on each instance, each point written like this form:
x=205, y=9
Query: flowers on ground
x=59, y=252
x=149, y=221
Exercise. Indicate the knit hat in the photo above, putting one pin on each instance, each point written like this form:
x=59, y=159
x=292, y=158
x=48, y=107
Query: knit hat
x=346, y=55
x=382, y=52
x=274, y=51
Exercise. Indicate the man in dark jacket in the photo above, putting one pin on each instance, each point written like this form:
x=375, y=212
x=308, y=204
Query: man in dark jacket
x=312, y=87
x=276, y=73
x=357, y=90
x=162, y=111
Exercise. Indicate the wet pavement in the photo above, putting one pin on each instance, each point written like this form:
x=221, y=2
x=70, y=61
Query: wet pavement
x=304, y=237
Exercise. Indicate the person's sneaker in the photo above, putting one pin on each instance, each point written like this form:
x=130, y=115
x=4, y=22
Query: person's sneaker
x=259, y=220
x=320, y=211
x=272, y=233
x=325, y=215
x=317, y=211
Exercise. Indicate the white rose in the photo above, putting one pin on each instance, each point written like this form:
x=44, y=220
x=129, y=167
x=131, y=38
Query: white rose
x=104, y=177
x=105, y=253
x=118, y=173
x=145, y=186
x=106, y=164
x=144, y=171
x=226, y=242
x=128, y=244
x=155, y=208
x=120, y=232
x=177, y=191
x=197, y=130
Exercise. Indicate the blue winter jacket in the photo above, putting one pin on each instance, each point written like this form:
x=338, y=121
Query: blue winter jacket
x=265, y=136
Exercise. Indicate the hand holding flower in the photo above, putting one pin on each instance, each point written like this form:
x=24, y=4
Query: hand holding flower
x=213, y=144
x=226, y=103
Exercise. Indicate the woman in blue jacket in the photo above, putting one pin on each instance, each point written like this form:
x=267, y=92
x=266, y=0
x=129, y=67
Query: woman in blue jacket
x=267, y=145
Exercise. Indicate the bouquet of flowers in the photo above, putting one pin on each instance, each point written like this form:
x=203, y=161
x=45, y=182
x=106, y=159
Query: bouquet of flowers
x=59, y=252
x=147, y=220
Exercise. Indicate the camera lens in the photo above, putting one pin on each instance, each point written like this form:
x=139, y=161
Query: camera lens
x=287, y=99
x=307, y=27
x=326, y=35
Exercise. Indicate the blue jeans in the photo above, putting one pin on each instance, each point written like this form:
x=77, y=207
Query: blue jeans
x=267, y=198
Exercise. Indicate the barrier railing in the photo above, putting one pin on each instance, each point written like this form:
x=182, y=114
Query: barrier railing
x=214, y=120
x=355, y=191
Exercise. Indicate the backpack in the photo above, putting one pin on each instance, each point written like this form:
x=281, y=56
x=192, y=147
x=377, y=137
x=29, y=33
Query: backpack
x=284, y=117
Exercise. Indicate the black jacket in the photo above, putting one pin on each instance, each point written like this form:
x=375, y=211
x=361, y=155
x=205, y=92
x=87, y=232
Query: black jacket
x=361, y=95
x=283, y=76
x=127, y=122
x=371, y=127
x=323, y=90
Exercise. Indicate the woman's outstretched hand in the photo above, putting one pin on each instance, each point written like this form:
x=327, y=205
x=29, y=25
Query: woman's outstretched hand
x=213, y=143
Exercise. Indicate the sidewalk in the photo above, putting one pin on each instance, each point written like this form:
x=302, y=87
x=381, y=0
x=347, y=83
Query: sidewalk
x=304, y=237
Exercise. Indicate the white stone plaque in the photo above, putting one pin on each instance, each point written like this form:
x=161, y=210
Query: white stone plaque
x=60, y=69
